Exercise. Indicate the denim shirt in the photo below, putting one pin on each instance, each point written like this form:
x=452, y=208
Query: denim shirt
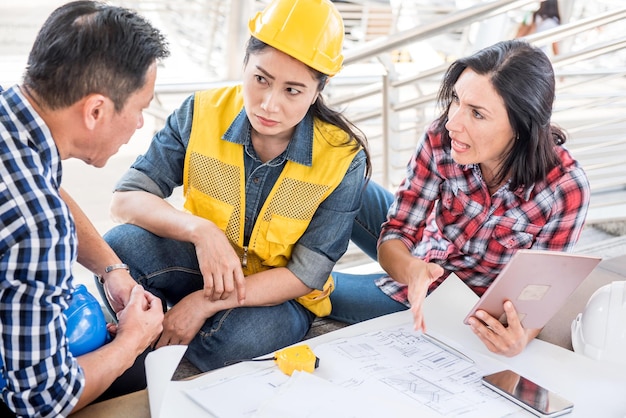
x=326, y=239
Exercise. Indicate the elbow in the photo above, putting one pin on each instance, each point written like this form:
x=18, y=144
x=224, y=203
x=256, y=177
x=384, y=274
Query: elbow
x=117, y=211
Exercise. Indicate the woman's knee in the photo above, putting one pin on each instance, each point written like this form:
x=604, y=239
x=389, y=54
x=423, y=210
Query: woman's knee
x=375, y=202
x=368, y=221
x=127, y=240
x=243, y=333
x=356, y=298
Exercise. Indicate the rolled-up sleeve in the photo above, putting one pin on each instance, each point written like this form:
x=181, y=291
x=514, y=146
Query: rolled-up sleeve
x=160, y=170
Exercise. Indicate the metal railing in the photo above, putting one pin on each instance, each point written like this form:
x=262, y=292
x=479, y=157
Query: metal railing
x=392, y=106
x=389, y=83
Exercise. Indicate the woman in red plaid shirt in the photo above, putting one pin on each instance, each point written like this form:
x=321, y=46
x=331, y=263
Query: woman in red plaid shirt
x=489, y=177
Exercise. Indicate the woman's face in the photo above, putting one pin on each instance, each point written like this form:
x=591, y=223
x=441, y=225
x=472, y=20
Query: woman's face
x=478, y=124
x=277, y=91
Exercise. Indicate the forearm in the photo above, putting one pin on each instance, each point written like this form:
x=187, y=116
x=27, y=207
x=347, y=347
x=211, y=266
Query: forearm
x=161, y=219
x=268, y=288
x=93, y=252
x=117, y=358
x=273, y=287
x=95, y=255
x=396, y=259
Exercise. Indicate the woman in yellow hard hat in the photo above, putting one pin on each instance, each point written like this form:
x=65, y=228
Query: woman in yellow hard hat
x=272, y=180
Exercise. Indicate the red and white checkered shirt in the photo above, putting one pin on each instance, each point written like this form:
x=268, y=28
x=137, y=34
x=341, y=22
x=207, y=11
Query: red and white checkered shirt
x=444, y=214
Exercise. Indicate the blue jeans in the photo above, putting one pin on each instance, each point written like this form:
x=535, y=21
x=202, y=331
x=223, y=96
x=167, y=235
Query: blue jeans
x=356, y=297
x=169, y=269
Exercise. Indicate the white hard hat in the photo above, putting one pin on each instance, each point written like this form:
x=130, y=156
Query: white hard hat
x=599, y=331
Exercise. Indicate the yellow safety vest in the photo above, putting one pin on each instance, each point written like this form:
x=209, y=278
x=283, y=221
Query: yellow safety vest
x=214, y=187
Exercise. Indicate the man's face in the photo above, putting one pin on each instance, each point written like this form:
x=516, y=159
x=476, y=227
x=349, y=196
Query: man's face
x=120, y=126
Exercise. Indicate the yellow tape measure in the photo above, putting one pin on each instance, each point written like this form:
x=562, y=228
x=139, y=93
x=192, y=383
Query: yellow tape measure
x=298, y=357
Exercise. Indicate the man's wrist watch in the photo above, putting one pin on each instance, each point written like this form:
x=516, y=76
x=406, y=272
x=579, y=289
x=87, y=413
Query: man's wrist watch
x=110, y=268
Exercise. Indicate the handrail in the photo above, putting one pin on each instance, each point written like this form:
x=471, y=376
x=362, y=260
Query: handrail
x=603, y=48
x=424, y=99
x=552, y=35
x=452, y=21
x=392, y=115
x=573, y=28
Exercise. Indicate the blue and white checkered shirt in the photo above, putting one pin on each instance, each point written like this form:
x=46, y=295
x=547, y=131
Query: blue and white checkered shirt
x=37, y=251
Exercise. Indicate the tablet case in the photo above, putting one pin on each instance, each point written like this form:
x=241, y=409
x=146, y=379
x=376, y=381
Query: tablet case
x=538, y=282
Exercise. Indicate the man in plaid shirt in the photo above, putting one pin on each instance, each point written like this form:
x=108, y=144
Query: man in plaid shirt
x=91, y=73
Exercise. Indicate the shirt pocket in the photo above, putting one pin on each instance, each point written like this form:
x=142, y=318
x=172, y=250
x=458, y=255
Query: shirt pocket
x=282, y=235
x=513, y=234
x=208, y=207
x=456, y=210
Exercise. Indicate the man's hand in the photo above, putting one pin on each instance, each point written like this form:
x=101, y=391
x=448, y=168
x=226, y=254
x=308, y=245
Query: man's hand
x=141, y=319
x=118, y=286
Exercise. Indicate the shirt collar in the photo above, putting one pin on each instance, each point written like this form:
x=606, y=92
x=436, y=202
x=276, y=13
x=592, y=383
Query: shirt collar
x=300, y=149
x=522, y=192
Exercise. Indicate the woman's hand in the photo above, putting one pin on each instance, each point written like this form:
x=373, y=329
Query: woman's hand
x=418, y=289
x=183, y=321
x=219, y=264
x=507, y=340
x=402, y=266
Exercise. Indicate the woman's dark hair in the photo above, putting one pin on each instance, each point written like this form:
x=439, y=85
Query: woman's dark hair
x=320, y=110
x=549, y=9
x=90, y=47
x=523, y=76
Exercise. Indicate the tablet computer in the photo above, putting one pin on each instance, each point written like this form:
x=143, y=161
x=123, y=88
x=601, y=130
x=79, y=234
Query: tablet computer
x=538, y=282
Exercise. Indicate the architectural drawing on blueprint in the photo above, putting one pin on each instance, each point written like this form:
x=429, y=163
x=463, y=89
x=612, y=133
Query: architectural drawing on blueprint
x=409, y=363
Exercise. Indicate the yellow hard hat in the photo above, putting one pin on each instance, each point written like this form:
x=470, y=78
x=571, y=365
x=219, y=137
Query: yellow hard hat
x=310, y=31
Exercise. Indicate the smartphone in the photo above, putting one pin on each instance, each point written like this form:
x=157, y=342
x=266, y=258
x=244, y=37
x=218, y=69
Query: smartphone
x=528, y=394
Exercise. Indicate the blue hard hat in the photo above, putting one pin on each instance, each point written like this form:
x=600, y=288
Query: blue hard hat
x=86, y=325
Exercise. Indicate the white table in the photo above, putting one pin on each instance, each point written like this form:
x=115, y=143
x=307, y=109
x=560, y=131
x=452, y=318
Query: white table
x=596, y=388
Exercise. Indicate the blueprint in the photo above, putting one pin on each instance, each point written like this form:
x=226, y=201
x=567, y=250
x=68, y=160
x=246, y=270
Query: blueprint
x=427, y=374
x=392, y=372
x=383, y=368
